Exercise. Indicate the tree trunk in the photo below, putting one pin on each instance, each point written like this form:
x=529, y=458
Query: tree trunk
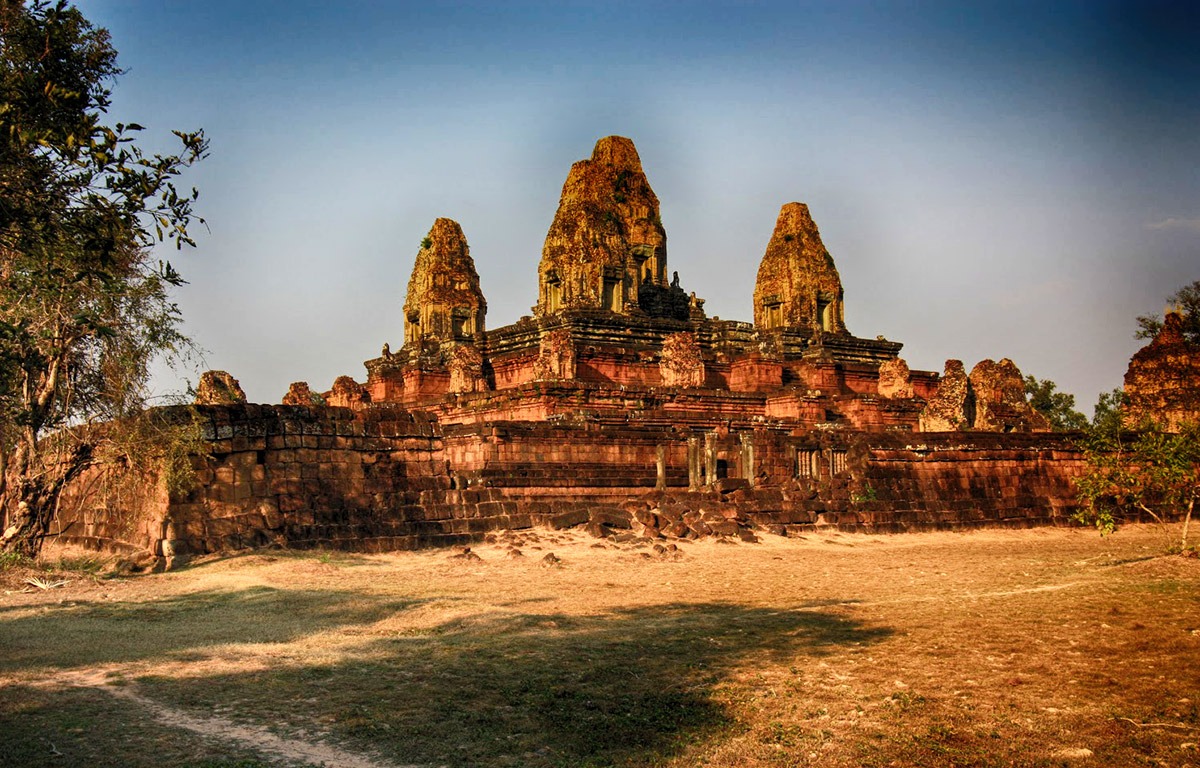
x=30, y=500
x=1187, y=519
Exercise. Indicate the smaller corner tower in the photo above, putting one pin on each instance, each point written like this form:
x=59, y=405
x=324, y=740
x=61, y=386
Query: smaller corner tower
x=798, y=286
x=444, y=301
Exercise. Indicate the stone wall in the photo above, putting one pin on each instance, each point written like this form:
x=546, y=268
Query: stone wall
x=290, y=475
x=384, y=478
x=953, y=480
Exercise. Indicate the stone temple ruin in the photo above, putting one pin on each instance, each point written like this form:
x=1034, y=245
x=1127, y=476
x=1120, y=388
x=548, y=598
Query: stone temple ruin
x=618, y=405
x=614, y=341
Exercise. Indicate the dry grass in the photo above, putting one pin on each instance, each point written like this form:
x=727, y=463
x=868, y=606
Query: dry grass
x=994, y=648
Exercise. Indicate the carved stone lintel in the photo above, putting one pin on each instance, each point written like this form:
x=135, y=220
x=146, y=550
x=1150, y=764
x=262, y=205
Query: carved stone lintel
x=556, y=357
x=466, y=369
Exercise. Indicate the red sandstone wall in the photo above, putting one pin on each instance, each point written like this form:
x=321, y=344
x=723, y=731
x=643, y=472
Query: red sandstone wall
x=291, y=475
x=109, y=507
x=384, y=478
x=754, y=375
x=925, y=384
x=615, y=368
x=514, y=370
x=550, y=456
x=966, y=479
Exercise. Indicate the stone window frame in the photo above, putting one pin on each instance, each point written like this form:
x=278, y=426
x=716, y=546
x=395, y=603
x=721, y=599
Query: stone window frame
x=812, y=463
x=838, y=462
x=808, y=463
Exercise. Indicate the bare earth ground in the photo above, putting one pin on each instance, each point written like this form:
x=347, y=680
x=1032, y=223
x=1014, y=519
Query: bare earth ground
x=992, y=648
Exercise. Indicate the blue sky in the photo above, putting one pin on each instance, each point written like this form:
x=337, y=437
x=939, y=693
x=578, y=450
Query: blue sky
x=993, y=179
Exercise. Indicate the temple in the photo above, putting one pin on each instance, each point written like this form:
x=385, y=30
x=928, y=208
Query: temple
x=618, y=404
x=614, y=340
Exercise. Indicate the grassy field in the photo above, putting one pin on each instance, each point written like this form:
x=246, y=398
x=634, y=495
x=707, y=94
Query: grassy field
x=991, y=648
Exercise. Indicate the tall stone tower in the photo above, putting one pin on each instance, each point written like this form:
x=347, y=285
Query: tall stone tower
x=1163, y=378
x=444, y=301
x=606, y=248
x=798, y=286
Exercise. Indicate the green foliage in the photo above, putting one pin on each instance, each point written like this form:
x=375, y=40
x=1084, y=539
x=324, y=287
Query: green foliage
x=1057, y=407
x=1107, y=415
x=9, y=560
x=1187, y=300
x=1148, y=471
x=426, y=243
x=159, y=446
x=865, y=494
x=84, y=307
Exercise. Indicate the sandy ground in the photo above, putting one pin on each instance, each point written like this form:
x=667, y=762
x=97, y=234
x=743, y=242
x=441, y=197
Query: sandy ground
x=968, y=598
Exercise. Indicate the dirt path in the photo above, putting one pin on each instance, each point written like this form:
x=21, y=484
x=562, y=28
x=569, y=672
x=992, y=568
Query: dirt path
x=218, y=728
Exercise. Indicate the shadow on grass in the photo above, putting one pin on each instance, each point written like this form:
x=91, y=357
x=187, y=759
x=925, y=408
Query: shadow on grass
x=87, y=633
x=630, y=687
x=69, y=727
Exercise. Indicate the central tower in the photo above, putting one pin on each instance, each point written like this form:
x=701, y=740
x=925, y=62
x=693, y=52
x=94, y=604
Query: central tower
x=607, y=249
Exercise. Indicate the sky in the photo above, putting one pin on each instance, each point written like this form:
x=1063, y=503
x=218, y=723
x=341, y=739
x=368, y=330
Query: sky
x=993, y=179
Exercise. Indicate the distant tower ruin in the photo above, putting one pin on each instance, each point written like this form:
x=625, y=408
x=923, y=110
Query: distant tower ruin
x=798, y=285
x=607, y=248
x=1163, y=379
x=444, y=301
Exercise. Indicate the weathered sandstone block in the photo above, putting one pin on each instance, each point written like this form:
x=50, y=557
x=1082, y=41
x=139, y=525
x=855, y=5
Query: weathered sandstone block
x=218, y=388
x=895, y=379
x=347, y=393
x=952, y=407
x=556, y=358
x=299, y=394
x=1000, y=404
x=680, y=363
x=466, y=369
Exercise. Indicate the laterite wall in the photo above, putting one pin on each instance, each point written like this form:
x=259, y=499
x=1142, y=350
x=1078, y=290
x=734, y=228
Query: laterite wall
x=384, y=478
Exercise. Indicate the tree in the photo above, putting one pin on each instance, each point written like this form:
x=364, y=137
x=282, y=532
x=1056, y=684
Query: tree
x=1148, y=471
x=1107, y=415
x=84, y=306
x=1187, y=300
x=1057, y=407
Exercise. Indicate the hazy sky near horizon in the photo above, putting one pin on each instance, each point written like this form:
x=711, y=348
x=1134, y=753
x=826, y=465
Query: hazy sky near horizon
x=993, y=179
